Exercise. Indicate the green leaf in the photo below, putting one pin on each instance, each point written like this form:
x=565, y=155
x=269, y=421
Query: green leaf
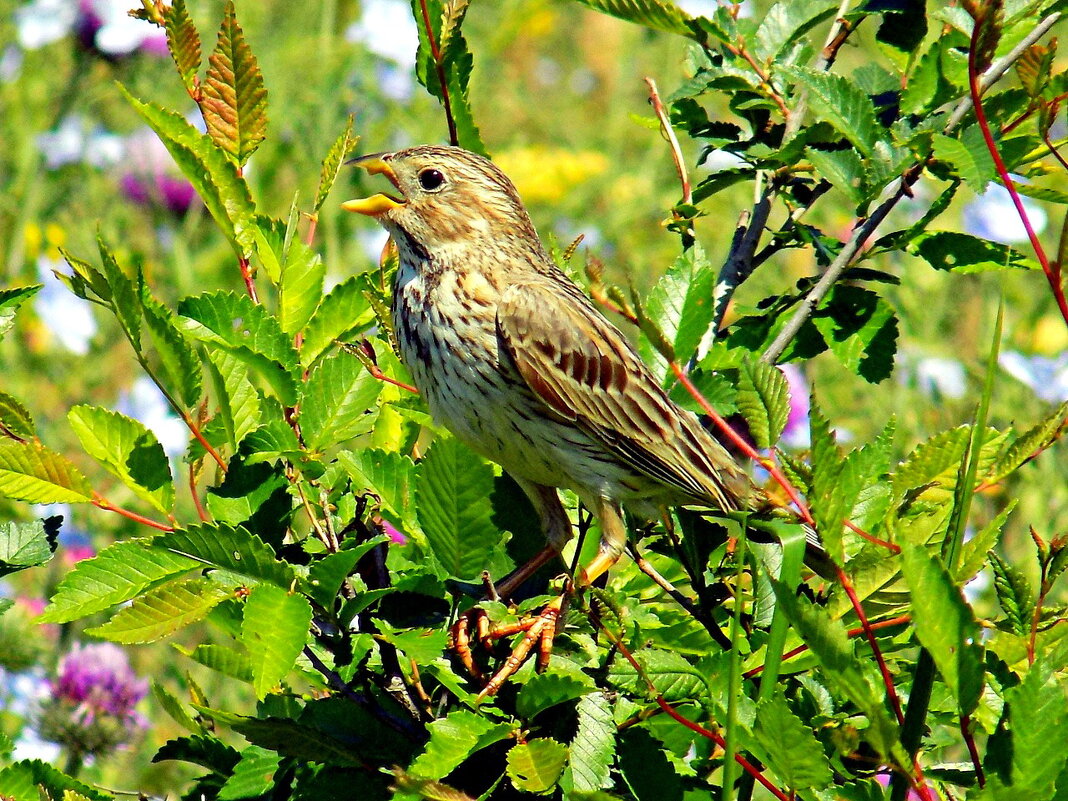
x=535, y=766
x=10, y=300
x=1030, y=442
x=860, y=328
x=30, y=472
x=786, y=22
x=945, y=626
x=248, y=332
x=656, y=14
x=388, y=474
x=274, y=630
x=680, y=304
x=174, y=708
x=793, y=752
x=338, y=401
x=974, y=552
x=673, y=677
x=343, y=311
x=183, y=41
x=831, y=499
x=199, y=749
x=229, y=548
x=764, y=399
x=452, y=491
x=253, y=776
x=843, y=104
x=211, y=172
x=25, y=545
x=1038, y=716
x=933, y=463
x=180, y=364
x=128, y=450
x=1014, y=594
x=843, y=168
x=118, y=573
x=125, y=295
x=453, y=739
x=592, y=750
x=32, y=780
x=162, y=611
x=827, y=640
x=228, y=660
x=326, y=575
x=15, y=417
x=233, y=98
x=335, y=157
x=239, y=402
x=964, y=253
x=545, y=690
x=968, y=156
x=301, y=287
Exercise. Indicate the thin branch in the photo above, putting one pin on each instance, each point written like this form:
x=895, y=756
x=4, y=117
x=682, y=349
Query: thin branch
x=973, y=752
x=246, y=275
x=669, y=132
x=871, y=538
x=100, y=502
x=204, y=518
x=439, y=67
x=739, y=264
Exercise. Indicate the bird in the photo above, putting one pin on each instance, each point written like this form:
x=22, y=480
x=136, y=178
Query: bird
x=517, y=362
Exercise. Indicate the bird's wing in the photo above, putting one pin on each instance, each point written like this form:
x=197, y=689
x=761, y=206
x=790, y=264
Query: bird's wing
x=585, y=371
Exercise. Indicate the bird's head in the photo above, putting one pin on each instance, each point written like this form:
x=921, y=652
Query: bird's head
x=446, y=197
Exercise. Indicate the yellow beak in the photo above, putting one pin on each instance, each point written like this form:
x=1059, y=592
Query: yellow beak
x=375, y=205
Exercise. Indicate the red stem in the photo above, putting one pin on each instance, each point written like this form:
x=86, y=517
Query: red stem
x=196, y=498
x=246, y=274
x=966, y=732
x=870, y=538
x=195, y=430
x=101, y=502
x=1053, y=275
x=439, y=67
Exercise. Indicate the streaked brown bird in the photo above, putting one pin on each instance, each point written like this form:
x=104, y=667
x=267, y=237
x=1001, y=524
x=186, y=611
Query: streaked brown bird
x=515, y=360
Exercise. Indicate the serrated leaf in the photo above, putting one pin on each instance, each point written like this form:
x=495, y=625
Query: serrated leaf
x=932, y=462
x=183, y=41
x=452, y=490
x=843, y=168
x=831, y=500
x=964, y=253
x=230, y=548
x=125, y=295
x=342, y=311
x=127, y=449
x=10, y=300
x=388, y=474
x=974, y=552
x=301, y=287
x=199, y=749
x=253, y=776
x=233, y=98
x=787, y=21
x=15, y=417
x=1014, y=594
x=335, y=157
x=681, y=305
x=968, y=156
x=861, y=330
x=174, y=708
x=453, y=739
x=1038, y=716
x=228, y=660
x=592, y=750
x=656, y=14
x=535, y=766
x=249, y=333
x=211, y=172
x=338, y=401
x=180, y=364
x=32, y=779
x=239, y=403
x=545, y=690
x=27, y=544
x=1029, y=443
x=162, y=610
x=673, y=677
x=764, y=398
x=326, y=575
x=116, y=574
x=945, y=626
x=273, y=630
x=843, y=104
x=1035, y=67
x=793, y=752
x=30, y=472
x=827, y=640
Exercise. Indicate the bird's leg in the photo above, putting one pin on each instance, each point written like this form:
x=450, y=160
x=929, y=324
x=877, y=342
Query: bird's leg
x=541, y=630
x=473, y=625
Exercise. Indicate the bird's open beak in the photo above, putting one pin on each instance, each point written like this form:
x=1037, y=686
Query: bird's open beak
x=375, y=205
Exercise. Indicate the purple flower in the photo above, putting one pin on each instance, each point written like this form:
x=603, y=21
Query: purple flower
x=395, y=535
x=99, y=680
x=150, y=176
x=796, y=433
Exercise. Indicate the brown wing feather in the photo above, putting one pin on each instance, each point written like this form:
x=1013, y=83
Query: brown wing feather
x=586, y=372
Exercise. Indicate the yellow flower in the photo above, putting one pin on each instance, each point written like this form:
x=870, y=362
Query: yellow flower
x=1050, y=336
x=547, y=174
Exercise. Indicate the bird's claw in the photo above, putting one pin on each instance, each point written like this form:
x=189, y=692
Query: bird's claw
x=538, y=630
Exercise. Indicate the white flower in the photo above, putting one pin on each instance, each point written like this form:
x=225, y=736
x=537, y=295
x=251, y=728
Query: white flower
x=144, y=402
x=1047, y=377
x=387, y=28
x=120, y=34
x=68, y=317
x=993, y=215
x=44, y=21
x=72, y=142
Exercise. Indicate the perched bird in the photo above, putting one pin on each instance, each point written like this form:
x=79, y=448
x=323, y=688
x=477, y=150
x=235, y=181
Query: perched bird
x=515, y=360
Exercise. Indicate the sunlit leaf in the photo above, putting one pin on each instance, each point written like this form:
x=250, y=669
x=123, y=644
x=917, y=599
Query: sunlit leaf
x=10, y=300
x=30, y=472
x=535, y=766
x=764, y=398
x=273, y=631
x=338, y=401
x=453, y=739
x=162, y=611
x=230, y=548
x=183, y=41
x=335, y=157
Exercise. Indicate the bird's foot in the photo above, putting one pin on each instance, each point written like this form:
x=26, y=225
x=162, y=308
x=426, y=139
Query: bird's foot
x=538, y=630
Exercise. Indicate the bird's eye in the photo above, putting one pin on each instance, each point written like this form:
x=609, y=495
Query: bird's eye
x=431, y=180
